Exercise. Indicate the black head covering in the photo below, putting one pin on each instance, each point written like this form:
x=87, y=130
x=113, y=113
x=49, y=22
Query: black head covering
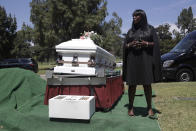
x=142, y=23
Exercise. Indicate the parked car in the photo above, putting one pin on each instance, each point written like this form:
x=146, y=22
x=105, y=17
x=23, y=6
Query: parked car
x=25, y=63
x=180, y=63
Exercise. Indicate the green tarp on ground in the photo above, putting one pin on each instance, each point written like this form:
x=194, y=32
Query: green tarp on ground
x=22, y=109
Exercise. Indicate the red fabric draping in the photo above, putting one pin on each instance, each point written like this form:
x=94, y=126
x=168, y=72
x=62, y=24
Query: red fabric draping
x=105, y=95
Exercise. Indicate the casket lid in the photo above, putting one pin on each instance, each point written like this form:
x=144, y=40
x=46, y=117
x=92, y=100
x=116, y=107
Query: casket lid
x=77, y=44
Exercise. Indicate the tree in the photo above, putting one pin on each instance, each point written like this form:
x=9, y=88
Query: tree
x=56, y=21
x=186, y=22
x=22, y=42
x=111, y=32
x=110, y=38
x=7, y=33
x=163, y=32
x=177, y=36
x=166, y=42
x=167, y=45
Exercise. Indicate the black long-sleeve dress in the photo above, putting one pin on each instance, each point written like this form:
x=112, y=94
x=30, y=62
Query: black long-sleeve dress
x=142, y=66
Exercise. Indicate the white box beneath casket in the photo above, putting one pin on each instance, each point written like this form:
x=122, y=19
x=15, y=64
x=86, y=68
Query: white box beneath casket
x=72, y=107
x=84, y=57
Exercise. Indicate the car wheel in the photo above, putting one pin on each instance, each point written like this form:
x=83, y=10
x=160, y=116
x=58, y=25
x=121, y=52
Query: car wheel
x=184, y=75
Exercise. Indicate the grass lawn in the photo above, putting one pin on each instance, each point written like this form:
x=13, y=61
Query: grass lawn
x=45, y=66
x=176, y=102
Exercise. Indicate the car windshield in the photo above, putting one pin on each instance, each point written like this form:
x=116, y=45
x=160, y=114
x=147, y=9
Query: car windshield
x=185, y=44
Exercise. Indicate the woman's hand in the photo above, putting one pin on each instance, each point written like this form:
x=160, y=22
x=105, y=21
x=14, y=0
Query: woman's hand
x=139, y=44
x=146, y=43
x=132, y=44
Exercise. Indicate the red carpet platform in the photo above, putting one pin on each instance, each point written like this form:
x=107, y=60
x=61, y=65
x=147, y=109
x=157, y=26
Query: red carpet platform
x=105, y=95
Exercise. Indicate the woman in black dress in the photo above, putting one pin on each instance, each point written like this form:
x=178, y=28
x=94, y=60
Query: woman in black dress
x=141, y=59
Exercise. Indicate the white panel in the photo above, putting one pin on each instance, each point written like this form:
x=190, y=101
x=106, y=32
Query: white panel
x=75, y=70
x=72, y=107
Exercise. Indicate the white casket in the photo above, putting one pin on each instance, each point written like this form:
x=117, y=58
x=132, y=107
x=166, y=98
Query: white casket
x=83, y=57
x=72, y=107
